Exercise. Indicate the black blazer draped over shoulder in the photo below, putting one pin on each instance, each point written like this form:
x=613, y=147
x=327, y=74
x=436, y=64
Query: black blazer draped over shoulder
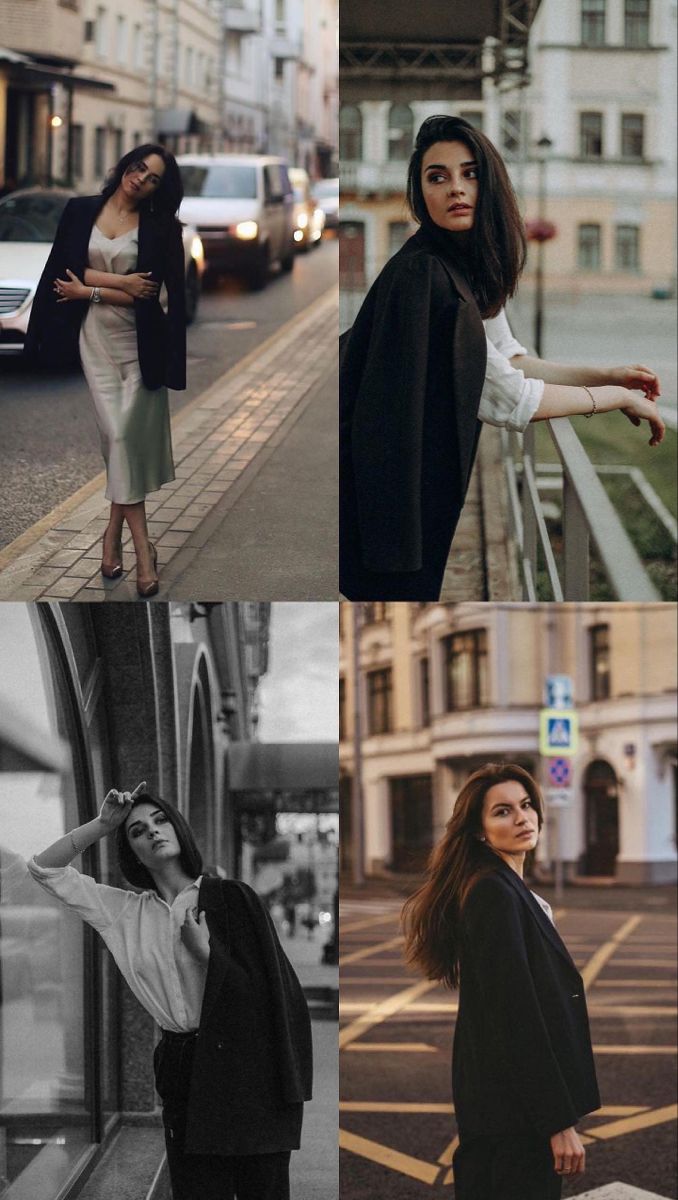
x=417, y=347
x=252, y=1068
x=522, y=1058
x=54, y=328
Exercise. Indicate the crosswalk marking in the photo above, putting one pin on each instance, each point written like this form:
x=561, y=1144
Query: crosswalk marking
x=380, y=1012
x=389, y=1047
x=596, y=963
x=416, y=1168
x=369, y=951
x=632, y=1124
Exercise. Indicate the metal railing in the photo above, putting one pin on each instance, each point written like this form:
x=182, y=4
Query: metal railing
x=588, y=515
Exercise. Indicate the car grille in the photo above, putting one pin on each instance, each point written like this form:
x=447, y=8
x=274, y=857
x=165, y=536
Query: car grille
x=11, y=299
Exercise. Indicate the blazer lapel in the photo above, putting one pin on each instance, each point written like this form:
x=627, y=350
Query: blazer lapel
x=210, y=899
x=547, y=927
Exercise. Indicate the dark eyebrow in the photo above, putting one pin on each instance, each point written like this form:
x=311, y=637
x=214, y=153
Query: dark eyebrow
x=442, y=167
x=153, y=174
x=140, y=822
x=507, y=803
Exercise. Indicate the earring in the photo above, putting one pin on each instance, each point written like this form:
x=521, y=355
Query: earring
x=482, y=839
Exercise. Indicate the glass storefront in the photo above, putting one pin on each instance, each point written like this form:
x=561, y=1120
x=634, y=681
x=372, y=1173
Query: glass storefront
x=46, y=1105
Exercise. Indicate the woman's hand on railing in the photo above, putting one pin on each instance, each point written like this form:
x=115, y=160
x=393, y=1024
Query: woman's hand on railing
x=641, y=408
x=636, y=377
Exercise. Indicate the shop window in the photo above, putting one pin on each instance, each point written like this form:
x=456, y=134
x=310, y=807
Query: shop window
x=379, y=701
x=400, y=132
x=350, y=133
x=46, y=1094
x=425, y=691
x=100, y=151
x=637, y=23
x=465, y=665
x=77, y=150
x=593, y=22
x=591, y=135
x=351, y=255
x=599, y=655
x=588, y=247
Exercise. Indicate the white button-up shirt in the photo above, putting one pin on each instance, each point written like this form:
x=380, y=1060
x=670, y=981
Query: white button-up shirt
x=143, y=933
x=508, y=398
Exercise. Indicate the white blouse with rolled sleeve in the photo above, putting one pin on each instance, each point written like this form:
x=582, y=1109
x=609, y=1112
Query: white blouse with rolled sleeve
x=508, y=399
x=143, y=933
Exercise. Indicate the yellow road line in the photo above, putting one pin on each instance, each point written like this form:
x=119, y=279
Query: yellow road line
x=632, y=1010
x=445, y=1159
x=640, y=983
x=368, y=951
x=359, y=980
x=596, y=963
x=393, y=1106
x=364, y=923
x=380, y=1012
x=635, y=1049
x=351, y=1007
x=644, y=1120
x=389, y=1047
x=645, y=962
x=405, y=1163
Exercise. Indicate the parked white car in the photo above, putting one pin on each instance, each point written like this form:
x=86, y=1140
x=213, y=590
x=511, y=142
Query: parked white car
x=28, y=223
x=326, y=192
x=242, y=206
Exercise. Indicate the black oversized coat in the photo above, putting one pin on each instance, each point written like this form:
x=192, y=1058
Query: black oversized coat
x=252, y=1068
x=54, y=328
x=522, y=1060
x=412, y=373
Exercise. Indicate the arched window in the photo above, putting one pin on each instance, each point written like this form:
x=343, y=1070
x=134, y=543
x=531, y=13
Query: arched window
x=350, y=133
x=400, y=132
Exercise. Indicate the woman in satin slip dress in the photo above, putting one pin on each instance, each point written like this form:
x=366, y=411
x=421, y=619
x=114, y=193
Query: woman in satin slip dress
x=110, y=256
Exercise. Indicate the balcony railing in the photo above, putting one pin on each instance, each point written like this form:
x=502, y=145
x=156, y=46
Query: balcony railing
x=588, y=516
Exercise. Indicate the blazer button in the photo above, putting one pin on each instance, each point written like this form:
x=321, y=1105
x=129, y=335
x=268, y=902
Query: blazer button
x=575, y=995
x=220, y=1045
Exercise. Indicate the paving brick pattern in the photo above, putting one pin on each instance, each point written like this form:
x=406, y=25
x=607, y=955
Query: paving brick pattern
x=217, y=438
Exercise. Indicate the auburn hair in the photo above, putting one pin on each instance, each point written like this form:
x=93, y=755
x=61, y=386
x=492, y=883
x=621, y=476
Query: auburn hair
x=431, y=916
x=496, y=244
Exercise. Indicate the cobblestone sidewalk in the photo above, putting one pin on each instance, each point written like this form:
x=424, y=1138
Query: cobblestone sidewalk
x=218, y=439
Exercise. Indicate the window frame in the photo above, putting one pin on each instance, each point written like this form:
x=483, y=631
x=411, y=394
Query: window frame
x=379, y=690
x=479, y=668
x=599, y=644
x=586, y=135
x=592, y=225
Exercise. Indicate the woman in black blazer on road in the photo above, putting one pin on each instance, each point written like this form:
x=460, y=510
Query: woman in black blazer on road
x=98, y=303
x=522, y=1067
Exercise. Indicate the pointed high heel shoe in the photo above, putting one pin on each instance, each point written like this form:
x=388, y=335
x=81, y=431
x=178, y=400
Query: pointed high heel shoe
x=145, y=590
x=113, y=570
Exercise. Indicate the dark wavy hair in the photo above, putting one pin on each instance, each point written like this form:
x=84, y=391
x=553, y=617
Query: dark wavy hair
x=134, y=871
x=167, y=197
x=431, y=916
x=496, y=242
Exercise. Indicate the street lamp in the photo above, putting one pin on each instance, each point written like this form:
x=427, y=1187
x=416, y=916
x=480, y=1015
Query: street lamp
x=543, y=146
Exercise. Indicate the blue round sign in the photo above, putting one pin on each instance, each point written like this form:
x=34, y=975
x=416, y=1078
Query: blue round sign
x=560, y=772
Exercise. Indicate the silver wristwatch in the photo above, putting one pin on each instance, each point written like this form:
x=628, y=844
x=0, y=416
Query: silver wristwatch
x=95, y=298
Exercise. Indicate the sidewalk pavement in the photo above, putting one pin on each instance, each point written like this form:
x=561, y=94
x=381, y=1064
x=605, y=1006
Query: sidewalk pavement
x=314, y=1169
x=305, y=955
x=255, y=456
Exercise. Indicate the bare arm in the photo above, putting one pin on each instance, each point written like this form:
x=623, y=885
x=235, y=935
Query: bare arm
x=562, y=400
x=114, y=809
x=138, y=284
x=550, y=372
x=116, y=296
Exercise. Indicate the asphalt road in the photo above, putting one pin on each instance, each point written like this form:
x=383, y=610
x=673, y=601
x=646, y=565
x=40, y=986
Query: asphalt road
x=48, y=438
x=396, y=1122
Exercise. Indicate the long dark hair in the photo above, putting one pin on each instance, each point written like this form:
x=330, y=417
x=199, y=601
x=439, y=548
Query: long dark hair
x=170, y=191
x=494, y=251
x=430, y=916
x=134, y=871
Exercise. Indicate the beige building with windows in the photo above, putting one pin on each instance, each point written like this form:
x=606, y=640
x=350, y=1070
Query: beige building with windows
x=446, y=688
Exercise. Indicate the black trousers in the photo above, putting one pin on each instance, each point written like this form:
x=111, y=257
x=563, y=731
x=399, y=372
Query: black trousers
x=505, y=1168
x=208, y=1176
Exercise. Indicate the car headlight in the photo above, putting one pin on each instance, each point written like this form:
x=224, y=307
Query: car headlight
x=197, y=249
x=302, y=220
x=246, y=230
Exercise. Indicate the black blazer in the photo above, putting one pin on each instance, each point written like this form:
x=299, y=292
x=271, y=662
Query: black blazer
x=54, y=329
x=522, y=1058
x=252, y=1068
x=417, y=346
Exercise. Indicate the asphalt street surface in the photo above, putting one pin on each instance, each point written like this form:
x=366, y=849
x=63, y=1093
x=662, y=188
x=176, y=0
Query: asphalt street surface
x=49, y=445
x=396, y=1120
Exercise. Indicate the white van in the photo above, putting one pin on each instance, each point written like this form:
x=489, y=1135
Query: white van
x=242, y=206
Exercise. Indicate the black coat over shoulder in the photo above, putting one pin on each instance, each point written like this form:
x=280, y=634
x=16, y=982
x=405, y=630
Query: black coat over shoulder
x=54, y=329
x=412, y=373
x=253, y=1060
x=522, y=1058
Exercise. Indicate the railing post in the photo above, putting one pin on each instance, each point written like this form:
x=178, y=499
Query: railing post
x=529, y=547
x=575, y=545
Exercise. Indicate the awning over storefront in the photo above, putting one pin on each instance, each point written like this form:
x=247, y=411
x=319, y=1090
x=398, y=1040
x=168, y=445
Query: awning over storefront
x=26, y=69
x=175, y=122
x=284, y=776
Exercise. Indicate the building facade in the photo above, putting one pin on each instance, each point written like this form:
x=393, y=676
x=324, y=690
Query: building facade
x=91, y=697
x=446, y=688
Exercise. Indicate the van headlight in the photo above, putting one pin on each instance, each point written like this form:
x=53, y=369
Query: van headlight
x=246, y=230
x=302, y=220
x=197, y=249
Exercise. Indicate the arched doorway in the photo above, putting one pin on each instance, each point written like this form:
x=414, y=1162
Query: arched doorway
x=601, y=799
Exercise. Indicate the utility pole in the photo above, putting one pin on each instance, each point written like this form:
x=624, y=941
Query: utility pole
x=543, y=146
x=357, y=821
x=153, y=73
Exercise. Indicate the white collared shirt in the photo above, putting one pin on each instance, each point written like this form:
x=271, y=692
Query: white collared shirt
x=143, y=933
x=544, y=904
x=509, y=399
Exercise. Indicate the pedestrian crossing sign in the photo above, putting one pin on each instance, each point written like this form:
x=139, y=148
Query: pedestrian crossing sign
x=558, y=733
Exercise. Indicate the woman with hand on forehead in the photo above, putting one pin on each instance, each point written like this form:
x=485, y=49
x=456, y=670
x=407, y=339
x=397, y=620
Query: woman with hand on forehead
x=98, y=302
x=522, y=1063
x=200, y=953
x=431, y=356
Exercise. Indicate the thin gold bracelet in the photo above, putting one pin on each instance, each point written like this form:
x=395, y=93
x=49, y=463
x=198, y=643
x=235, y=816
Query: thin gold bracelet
x=593, y=401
